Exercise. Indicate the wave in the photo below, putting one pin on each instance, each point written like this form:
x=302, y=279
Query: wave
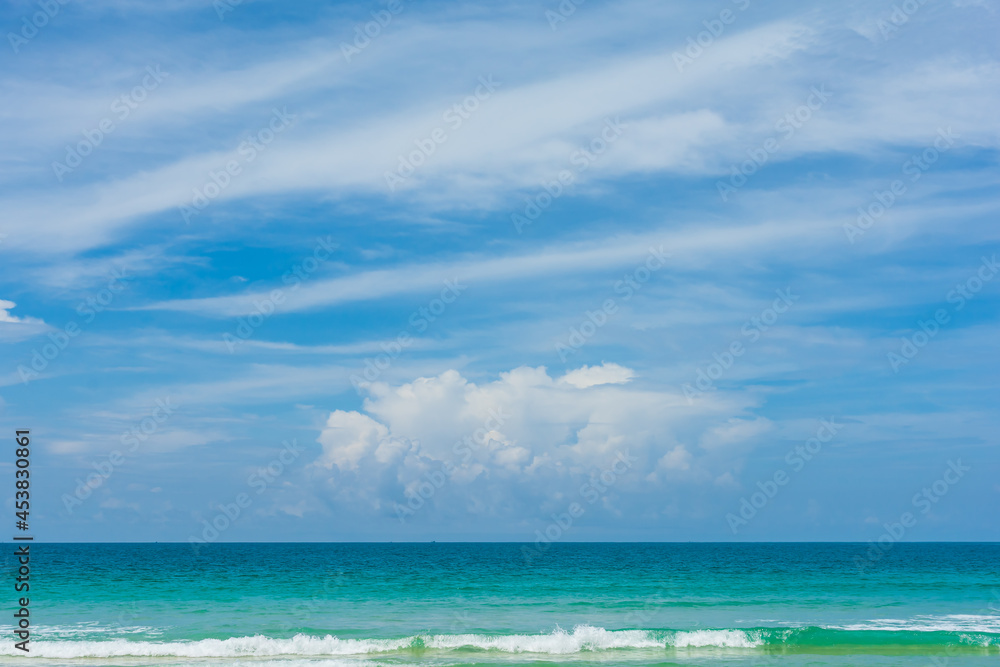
x=85, y=628
x=583, y=638
x=948, y=623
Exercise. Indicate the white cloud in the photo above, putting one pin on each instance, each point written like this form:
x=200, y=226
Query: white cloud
x=677, y=458
x=348, y=438
x=13, y=328
x=496, y=149
x=525, y=439
x=698, y=121
x=6, y=317
x=687, y=246
x=606, y=373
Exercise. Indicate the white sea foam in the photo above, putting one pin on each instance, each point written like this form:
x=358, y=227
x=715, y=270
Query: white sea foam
x=720, y=638
x=981, y=640
x=85, y=628
x=256, y=646
x=583, y=638
x=559, y=642
x=947, y=623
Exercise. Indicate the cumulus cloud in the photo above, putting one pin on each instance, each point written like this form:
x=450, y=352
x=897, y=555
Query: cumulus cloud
x=519, y=445
x=348, y=438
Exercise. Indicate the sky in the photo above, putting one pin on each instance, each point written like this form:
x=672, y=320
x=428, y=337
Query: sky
x=526, y=271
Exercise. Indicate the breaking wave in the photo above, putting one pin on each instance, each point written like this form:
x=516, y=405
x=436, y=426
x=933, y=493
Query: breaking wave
x=975, y=633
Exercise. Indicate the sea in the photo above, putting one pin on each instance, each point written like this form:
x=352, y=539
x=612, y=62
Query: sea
x=362, y=605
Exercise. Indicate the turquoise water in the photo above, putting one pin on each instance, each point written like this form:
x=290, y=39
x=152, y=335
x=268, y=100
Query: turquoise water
x=490, y=604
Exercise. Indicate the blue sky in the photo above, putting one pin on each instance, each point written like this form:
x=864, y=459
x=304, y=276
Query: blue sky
x=487, y=267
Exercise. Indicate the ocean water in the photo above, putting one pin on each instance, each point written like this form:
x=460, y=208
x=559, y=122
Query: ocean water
x=489, y=604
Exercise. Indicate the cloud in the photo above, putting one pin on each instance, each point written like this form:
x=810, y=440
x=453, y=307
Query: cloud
x=526, y=437
x=606, y=373
x=688, y=246
x=528, y=129
x=734, y=434
x=5, y=315
x=348, y=438
x=700, y=121
x=13, y=328
x=677, y=458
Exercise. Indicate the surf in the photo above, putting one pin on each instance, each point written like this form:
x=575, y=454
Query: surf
x=966, y=634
